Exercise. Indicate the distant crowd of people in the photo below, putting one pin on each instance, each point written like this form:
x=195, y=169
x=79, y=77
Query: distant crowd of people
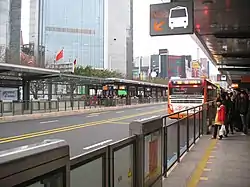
x=233, y=114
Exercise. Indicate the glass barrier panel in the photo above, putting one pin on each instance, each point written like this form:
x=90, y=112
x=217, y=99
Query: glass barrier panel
x=89, y=174
x=191, y=129
x=197, y=120
x=123, y=167
x=183, y=136
x=172, y=144
x=53, y=180
x=153, y=157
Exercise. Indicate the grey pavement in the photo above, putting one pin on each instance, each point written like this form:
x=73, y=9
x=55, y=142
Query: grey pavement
x=182, y=173
x=94, y=128
x=214, y=163
x=230, y=163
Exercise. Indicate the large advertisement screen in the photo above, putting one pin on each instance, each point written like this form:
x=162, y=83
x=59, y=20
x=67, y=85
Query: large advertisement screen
x=176, y=66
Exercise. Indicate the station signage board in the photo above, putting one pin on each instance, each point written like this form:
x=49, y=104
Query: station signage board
x=172, y=18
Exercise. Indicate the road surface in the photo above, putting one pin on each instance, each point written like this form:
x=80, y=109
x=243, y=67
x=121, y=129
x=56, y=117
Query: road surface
x=86, y=132
x=83, y=132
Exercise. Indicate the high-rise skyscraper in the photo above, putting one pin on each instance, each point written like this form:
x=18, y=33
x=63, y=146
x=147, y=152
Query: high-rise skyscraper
x=119, y=36
x=10, y=27
x=96, y=33
x=76, y=26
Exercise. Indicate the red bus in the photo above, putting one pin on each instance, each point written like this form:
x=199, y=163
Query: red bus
x=185, y=93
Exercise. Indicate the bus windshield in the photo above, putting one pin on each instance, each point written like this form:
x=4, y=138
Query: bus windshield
x=178, y=13
x=186, y=91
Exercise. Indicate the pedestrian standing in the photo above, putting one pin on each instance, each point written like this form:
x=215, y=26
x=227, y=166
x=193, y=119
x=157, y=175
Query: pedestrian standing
x=219, y=118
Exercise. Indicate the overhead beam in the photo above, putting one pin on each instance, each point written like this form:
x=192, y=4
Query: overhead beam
x=234, y=69
x=232, y=34
x=200, y=42
x=236, y=55
x=234, y=64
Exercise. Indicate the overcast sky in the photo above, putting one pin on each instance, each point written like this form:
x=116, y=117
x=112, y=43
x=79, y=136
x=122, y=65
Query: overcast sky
x=144, y=45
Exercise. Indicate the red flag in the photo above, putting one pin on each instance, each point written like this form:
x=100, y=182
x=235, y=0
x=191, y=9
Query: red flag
x=59, y=55
x=74, y=62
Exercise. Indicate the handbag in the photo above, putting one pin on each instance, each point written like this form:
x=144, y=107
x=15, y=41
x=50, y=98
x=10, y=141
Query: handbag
x=222, y=130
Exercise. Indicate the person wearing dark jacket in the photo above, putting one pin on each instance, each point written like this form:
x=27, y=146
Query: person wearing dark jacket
x=242, y=106
x=229, y=114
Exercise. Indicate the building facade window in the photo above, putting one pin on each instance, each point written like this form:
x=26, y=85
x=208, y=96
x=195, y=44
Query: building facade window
x=75, y=26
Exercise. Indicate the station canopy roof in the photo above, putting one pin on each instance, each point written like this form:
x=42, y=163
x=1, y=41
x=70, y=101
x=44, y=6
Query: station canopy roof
x=133, y=82
x=223, y=31
x=13, y=71
x=75, y=79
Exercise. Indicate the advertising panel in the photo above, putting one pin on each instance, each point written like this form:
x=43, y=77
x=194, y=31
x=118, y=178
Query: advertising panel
x=195, y=69
x=176, y=66
x=8, y=93
x=153, y=161
x=204, y=67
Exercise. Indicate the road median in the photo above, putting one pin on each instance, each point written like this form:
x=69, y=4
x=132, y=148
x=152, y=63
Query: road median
x=68, y=112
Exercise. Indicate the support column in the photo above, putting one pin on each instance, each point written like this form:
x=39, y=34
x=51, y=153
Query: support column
x=87, y=90
x=128, y=98
x=18, y=94
x=26, y=94
x=156, y=93
x=49, y=90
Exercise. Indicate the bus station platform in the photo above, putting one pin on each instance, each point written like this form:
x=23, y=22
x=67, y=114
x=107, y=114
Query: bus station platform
x=158, y=153
x=214, y=163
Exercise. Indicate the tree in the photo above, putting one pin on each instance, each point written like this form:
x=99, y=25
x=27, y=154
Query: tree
x=35, y=87
x=91, y=72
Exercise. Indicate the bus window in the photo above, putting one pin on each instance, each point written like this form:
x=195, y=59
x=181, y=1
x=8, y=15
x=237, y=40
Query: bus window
x=178, y=17
x=186, y=90
x=178, y=13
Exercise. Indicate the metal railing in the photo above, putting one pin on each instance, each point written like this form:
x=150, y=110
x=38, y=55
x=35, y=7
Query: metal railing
x=118, y=164
x=30, y=107
x=155, y=146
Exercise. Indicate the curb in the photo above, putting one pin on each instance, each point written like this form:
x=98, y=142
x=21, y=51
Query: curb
x=26, y=117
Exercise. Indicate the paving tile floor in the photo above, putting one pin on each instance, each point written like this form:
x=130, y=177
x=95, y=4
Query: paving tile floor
x=227, y=164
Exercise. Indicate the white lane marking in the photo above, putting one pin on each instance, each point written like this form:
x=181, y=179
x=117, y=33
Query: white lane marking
x=118, y=112
x=98, y=144
x=90, y=116
x=139, y=108
x=52, y=121
x=94, y=114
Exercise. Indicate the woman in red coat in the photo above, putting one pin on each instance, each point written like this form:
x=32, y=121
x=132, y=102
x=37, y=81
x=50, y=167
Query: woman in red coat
x=219, y=118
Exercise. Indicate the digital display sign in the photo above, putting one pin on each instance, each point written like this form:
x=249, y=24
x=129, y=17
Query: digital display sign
x=179, y=82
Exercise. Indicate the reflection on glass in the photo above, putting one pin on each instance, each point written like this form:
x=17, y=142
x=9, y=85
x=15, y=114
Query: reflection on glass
x=172, y=144
x=89, y=174
x=153, y=160
x=123, y=164
x=51, y=181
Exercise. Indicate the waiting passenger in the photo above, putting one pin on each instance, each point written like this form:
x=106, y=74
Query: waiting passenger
x=243, y=108
x=229, y=112
x=219, y=118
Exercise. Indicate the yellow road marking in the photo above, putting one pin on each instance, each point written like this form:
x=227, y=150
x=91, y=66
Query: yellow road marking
x=69, y=128
x=202, y=164
x=119, y=122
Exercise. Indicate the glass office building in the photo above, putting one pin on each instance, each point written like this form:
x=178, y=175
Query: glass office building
x=10, y=27
x=75, y=26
